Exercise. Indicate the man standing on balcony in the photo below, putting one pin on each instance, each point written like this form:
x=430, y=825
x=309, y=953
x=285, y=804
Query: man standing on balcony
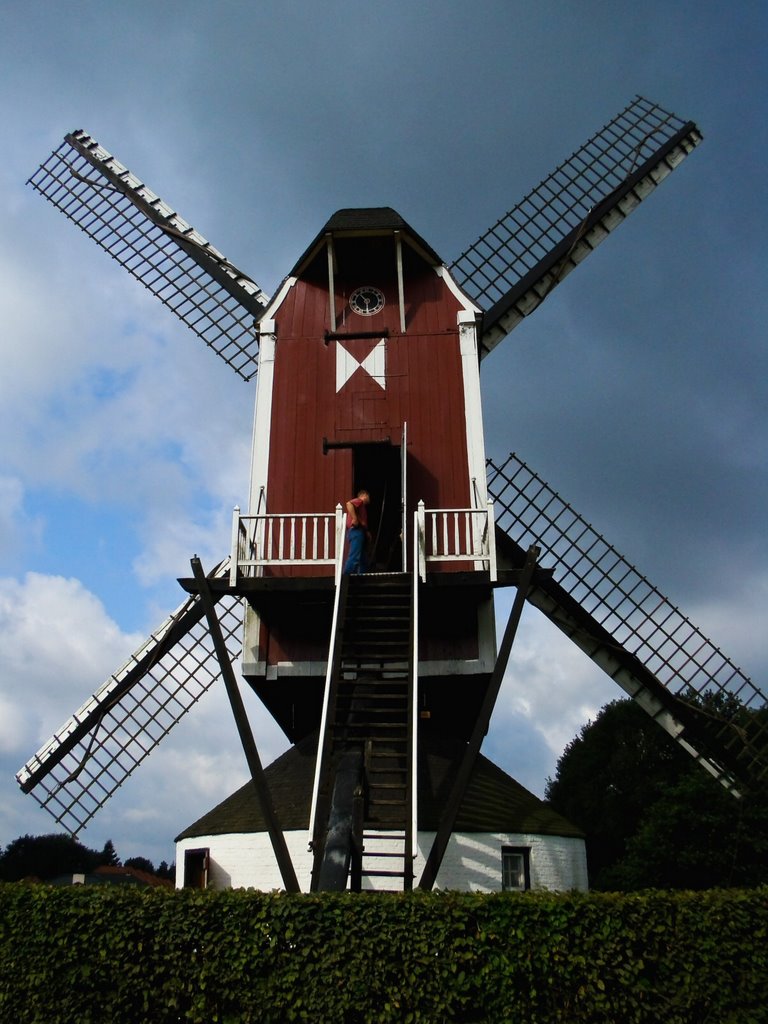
x=357, y=533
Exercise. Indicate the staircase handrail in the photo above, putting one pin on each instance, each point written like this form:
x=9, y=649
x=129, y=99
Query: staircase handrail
x=414, y=705
x=329, y=672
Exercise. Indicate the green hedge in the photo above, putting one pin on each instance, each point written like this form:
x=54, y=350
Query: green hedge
x=114, y=956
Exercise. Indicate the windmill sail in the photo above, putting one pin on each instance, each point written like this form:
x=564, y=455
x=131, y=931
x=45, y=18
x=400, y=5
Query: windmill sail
x=159, y=248
x=514, y=265
x=92, y=754
x=632, y=631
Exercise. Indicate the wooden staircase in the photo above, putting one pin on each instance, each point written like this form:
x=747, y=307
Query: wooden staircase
x=370, y=709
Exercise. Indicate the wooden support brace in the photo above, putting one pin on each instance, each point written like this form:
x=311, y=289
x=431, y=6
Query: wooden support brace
x=282, y=855
x=461, y=781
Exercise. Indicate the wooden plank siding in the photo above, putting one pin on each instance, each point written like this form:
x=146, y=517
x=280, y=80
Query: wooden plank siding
x=424, y=387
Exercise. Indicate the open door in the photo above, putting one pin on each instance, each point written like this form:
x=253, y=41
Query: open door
x=196, y=866
x=377, y=468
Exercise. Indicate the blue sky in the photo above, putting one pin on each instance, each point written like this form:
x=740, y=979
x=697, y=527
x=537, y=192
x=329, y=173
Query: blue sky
x=638, y=390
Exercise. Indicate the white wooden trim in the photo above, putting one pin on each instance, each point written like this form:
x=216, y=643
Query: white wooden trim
x=317, y=669
x=444, y=274
x=470, y=367
x=277, y=300
x=331, y=288
x=262, y=416
x=400, y=285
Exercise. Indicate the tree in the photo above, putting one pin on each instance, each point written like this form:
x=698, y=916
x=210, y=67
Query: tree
x=109, y=855
x=141, y=863
x=651, y=816
x=45, y=857
x=166, y=870
x=696, y=836
x=615, y=768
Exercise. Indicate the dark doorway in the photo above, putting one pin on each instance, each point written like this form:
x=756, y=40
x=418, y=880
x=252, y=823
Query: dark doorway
x=196, y=869
x=377, y=468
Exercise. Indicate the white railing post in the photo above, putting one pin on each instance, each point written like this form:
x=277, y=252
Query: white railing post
x=235, y=546
x=492, y=567
x=419, y=541
x=262, y=538
x=339, y=543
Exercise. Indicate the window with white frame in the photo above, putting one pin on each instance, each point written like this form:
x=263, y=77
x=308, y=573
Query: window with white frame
x=515, y=868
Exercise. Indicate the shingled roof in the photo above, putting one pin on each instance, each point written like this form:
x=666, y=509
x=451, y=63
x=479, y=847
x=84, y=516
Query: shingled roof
x=494, y=801
x=372, y=220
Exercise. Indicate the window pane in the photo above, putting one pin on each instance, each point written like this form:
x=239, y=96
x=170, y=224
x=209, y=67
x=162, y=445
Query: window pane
x=512, y=870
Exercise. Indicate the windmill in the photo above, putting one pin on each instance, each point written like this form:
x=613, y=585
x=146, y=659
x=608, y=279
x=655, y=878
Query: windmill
x=367, y=366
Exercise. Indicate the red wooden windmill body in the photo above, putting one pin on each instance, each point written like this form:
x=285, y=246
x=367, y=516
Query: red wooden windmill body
x=369, y=378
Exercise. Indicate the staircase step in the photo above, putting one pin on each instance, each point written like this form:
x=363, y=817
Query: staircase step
x=383, y=639
x=351, y=679
x=388, y=726
x=385, y=695
x=386, y=689
x=356, y=672
x=370, y=709
x=384, y=874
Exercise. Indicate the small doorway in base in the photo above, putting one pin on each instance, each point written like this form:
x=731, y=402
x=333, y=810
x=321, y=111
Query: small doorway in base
x=196, y=863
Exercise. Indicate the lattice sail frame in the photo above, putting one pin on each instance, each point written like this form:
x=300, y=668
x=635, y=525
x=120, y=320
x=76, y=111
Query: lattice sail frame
x=90, y=756
x=158, y=247
x=634, y=613
x=514, y=265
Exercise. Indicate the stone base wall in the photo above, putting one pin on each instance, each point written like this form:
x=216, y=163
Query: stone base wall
x=472, y=861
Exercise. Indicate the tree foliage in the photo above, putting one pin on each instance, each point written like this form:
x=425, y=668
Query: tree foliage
x=141, y=863
x=47, y=857
x=652, y=817
x=109, y=855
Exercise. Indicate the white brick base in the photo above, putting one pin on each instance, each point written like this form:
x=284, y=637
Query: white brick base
x=472, y=862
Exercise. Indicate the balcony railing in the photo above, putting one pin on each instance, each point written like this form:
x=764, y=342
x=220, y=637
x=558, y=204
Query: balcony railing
x=317, y=538
x=456, y=535
x=306, y=538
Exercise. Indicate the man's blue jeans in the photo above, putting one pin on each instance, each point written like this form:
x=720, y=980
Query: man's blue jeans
x=355, y=562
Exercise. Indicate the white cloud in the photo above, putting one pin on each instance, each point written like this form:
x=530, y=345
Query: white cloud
x=19, y=530
x=550, y=683
x=57, y=644
x=173, y=540
x=738, y=615
x=11, y=726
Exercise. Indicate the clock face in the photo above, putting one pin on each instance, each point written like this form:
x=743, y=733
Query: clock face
x=366, y=300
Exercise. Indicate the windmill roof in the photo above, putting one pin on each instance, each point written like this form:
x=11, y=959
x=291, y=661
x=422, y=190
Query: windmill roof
x=366, y=220
x=494, y=801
